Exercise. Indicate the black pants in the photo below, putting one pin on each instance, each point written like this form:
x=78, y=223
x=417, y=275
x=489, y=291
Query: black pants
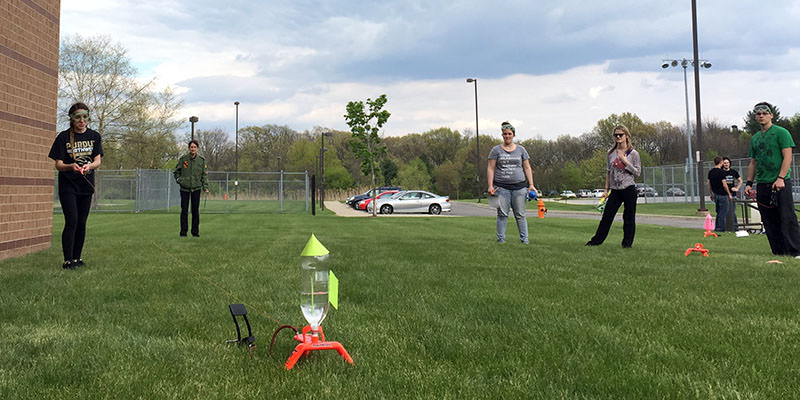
x=628, y=196
x=195, y=199
x=76, y=212
x=780, y=221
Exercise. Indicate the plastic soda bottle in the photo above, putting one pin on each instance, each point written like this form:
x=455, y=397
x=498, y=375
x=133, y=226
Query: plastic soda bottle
x=315, y=263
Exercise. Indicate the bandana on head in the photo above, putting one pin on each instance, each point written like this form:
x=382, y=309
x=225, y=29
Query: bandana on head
x=762, y=107
x=508, y=126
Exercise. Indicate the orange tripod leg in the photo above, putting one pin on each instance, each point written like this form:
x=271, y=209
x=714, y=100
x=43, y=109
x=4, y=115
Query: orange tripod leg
x=342, y=352
x=298, y=352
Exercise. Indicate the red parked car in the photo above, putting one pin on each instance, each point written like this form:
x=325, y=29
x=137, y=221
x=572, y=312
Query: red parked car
x=362, y=205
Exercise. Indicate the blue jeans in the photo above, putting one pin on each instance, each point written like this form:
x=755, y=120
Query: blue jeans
x=721, y=202
x=512, y=199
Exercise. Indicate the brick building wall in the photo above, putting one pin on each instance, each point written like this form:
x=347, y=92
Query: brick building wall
x=29, y=45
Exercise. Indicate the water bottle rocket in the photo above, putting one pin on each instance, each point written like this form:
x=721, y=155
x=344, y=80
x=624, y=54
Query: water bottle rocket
x=601, y=204
x=317, y=279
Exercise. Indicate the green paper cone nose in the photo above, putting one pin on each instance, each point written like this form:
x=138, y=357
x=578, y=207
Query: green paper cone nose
x=314, y=248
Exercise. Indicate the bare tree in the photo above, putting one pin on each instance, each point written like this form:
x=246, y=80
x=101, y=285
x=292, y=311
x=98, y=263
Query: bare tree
x=95, y=71
x=137, y=124
x=217, y=148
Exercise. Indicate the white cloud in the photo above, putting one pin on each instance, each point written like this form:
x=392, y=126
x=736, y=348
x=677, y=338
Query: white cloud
x=552, y=69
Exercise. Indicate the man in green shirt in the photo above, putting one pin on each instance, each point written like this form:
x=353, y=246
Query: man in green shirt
x=191, y=175
x=770, y=161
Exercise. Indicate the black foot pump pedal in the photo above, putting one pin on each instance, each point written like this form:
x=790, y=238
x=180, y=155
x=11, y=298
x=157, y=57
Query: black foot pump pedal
x=250, y=340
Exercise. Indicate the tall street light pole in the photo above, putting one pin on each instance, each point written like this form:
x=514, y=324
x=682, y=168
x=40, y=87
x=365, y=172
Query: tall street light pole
x=322, y=151
x=699, y=119
x=477, y=140
x=685, y=63
x=236, y=155
x=193, y=119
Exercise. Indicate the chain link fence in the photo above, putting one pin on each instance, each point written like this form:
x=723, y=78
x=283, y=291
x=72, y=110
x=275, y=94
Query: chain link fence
x=678, y=182
x=139, y=190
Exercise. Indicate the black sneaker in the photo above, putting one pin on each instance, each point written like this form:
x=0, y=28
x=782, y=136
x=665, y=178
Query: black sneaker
x=78, y=263
x=196, y=234
x=183, y=234
x=68, y=265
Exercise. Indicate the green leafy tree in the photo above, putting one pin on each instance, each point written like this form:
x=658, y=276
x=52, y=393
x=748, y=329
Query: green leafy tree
x=594, y=170
x=441, y=144
x=571, y=176
x=794, y=127
x=336, y=176
x=364, y=127
x=446, y=178
x=414, y=175
x=260, y=146
x=303, y=155
x=389, y=169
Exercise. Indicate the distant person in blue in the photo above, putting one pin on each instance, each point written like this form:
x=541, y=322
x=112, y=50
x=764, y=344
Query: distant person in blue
x=510, y=178
x=770, y=165
x=622, y=166
x=720, y=194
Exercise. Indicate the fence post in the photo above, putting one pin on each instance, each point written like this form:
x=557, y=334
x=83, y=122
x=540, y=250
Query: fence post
x=313, y=195
x=138, y=189
x=305, y=178
x=280, y=191
x=169, y=187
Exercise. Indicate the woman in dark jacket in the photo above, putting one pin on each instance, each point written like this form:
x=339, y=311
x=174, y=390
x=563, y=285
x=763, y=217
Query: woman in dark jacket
x=192, y=177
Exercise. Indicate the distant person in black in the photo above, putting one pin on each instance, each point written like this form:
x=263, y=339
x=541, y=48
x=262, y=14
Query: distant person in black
x=77, y=152
x=720, y=194
x=734, y=182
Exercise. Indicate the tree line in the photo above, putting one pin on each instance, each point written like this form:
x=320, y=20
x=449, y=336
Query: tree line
x=141, y=129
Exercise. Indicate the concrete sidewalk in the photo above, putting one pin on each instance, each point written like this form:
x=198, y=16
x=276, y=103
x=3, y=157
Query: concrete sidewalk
x=343, y=210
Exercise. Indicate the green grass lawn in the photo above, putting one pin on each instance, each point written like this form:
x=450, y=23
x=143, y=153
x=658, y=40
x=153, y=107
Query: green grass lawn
x=430, y=307
x=206, y=206
x=675, y=209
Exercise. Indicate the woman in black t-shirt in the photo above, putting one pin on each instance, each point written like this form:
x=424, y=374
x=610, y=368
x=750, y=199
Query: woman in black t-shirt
x=77, y=152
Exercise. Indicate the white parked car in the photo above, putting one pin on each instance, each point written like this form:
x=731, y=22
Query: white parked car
x=412, y=201
x=568, y=194
x=598, y=193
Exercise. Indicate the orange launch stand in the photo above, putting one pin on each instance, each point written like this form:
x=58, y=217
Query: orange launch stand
x=311, y=342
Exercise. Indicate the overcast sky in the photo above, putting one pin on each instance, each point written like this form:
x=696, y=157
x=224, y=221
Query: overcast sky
x=549, y=67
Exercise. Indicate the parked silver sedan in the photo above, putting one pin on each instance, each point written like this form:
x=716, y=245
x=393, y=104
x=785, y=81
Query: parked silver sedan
x=413, y=201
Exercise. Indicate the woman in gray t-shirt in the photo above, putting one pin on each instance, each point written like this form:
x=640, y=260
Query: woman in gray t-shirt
x=510, y=179
x=623, y=165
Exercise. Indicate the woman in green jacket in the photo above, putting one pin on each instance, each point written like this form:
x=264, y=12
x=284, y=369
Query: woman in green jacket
x=191, y=175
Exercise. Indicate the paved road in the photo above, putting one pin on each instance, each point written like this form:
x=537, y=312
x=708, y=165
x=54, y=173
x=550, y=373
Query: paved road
x=468, y=209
